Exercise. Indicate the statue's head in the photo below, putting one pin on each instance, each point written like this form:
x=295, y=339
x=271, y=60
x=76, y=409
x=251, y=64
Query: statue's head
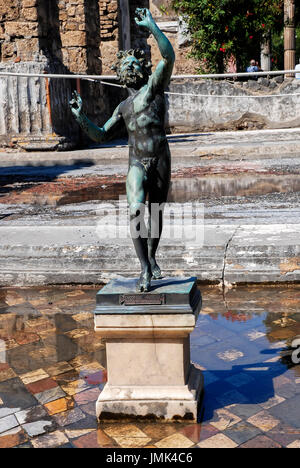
x=132, y=68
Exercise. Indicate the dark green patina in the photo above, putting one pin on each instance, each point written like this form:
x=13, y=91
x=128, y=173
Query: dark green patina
x=149, y=156
x=167, y=296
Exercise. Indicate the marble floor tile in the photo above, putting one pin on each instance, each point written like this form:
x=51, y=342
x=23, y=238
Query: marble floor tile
x=224, y=419
x=55, y=439
x=7, y=374
x=69, y=417
x=50, y=395
x=41, y=386
x=274, y=401
x=13, y=438
x=87, y=396
x=39, y=427
x=34, y=376
x=242, y=432
x=127, y=436
x=94, y=439
x=239, y=380
x=31, y=414
x=175, y=441
x=157, y=432
x=261, y=442
x=59, y=406
x=59, y=368
x=294, y=445
x=264, y=421
x=7, y=423
x=53, y=372
x=218, y=441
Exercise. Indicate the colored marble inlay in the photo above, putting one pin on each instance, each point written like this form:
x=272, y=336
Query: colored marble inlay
x=52, y=370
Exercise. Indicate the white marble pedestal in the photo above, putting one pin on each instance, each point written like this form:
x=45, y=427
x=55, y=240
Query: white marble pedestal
x=147, y=340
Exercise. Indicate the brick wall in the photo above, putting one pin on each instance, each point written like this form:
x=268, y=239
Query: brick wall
x=71, y=36
x=19, y=30
x=61, y=36
x=168, y=21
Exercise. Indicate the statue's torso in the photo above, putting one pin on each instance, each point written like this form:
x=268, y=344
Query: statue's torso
x=145, y=122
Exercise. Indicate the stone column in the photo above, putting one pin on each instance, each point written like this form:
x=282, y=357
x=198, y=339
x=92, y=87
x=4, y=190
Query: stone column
x=289, y=36
x=147, y=338
x=265, y=60
x=125, y=24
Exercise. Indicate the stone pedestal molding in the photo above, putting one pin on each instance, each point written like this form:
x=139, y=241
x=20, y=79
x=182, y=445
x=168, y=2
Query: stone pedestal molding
x=147, y=338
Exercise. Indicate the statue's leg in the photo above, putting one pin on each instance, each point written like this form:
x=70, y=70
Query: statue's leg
x=158, y=194
x=136, y=196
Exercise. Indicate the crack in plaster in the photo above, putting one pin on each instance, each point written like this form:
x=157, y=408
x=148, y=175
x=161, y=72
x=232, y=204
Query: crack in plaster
x=225, y=264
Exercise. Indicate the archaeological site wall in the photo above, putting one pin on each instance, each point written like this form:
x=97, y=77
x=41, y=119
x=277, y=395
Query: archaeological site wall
x=83, y=37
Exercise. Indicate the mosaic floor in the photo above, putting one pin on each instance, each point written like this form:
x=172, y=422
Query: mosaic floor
x=52, y=370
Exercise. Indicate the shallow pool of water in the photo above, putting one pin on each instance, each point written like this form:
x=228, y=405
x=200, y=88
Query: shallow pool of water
x=52, y=368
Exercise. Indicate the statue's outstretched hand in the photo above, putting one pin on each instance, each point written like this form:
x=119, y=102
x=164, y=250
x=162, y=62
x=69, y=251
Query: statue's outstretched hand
x=76, y=104
x=143, y=17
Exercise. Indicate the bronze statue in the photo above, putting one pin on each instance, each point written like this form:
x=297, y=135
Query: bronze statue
x=149, y=156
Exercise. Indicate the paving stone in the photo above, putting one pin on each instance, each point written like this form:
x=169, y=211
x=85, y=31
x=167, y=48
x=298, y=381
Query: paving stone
x=294, y=445
x=127, y=436
x=232, y=397
x=276, y=400
x=15, y=397
x=37, y=428
x=77, y=433
x=41, y=386
x=239, y=380
x=242, y=432
x=87, y=396
x=218, y=441
x=13, y=438
x=53, y=440
x=59, y=368
x=61, y=405
x=69, y=417
x=75, y=387
x=244, y=411
x=7, y=423
x=224, y=419
x=264, y=421
x=246, y=389
x=261, y=442
x=288, y=411
x=7, y=374
x=197, y=432
x=175, y=441
x=31, y=415
x=95, y=439
x=50, y=395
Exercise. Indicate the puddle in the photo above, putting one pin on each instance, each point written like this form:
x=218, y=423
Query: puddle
x=52, y=368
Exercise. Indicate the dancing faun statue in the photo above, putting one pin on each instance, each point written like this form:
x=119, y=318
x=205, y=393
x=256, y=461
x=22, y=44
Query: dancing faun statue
x=149, y=156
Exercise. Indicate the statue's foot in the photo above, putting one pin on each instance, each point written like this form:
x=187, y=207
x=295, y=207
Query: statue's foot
x=156, y=272
x=144, y=282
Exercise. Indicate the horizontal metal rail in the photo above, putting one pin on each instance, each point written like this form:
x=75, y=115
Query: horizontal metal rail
x=174, y=77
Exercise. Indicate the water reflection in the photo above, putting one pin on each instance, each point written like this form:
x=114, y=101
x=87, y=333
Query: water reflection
x=244, y=344
x=53, y=367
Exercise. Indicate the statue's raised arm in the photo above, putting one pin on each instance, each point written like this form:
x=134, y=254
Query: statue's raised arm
x=162, y=75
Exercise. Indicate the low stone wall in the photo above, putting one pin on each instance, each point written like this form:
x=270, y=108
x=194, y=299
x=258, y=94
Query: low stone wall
x=248, y=109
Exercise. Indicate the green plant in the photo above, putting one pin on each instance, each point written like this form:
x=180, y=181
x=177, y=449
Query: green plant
x=226, y=29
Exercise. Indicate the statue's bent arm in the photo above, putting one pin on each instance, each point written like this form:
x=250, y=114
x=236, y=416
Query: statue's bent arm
x=99, y=134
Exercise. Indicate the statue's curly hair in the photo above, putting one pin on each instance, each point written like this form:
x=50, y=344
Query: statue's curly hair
x=139, y=54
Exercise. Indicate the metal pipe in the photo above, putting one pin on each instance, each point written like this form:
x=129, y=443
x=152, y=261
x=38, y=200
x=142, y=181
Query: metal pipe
x=174, y=77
